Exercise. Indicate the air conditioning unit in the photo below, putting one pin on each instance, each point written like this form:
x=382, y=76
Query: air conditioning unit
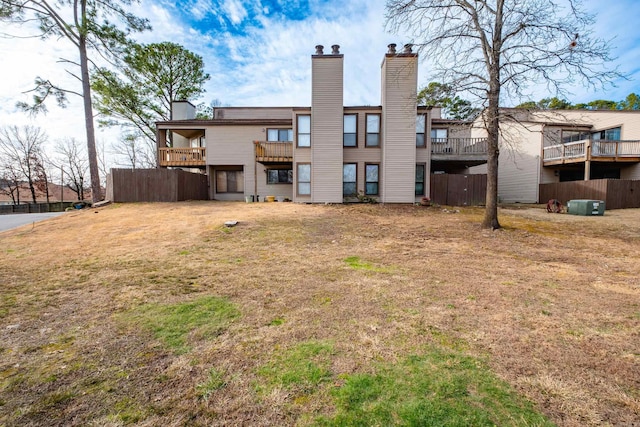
x=585, y=207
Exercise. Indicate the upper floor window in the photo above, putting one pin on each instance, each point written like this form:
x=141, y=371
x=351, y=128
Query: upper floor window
x=303, y=129
x=279, y=135
x=373, y=130
x=573, y=136
x=439, y=135
x=420, y=129
x=350, y=125
x=608, y=134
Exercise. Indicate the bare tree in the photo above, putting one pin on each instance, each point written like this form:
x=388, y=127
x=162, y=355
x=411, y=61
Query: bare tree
x=88, y=25
x=75, y=165
x=135, y=151
x=22, y=150
x=10, y=181
x=496, y=48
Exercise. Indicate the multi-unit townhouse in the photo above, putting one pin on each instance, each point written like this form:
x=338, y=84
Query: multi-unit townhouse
x=548, y=146
x=331, y=153
x=327, y=152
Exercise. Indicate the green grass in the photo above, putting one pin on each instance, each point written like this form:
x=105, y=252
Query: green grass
x=301, y=368
x=357, y=264
x=215, y=381
x=435, y=389
x=205, y=317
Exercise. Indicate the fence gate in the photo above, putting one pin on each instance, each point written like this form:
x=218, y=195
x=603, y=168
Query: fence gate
x=458, y=190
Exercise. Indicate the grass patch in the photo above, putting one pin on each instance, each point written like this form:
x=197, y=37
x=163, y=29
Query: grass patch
x=357, y=264
x=215, y=381
x=277, y=321
x=128, y=411
x=205, y=317
x=435, y=389
x=301, y=368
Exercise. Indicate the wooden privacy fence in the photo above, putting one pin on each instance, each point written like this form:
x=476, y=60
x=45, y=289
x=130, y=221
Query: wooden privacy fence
x=458, y=190
x=155, y=185
x=616, y=193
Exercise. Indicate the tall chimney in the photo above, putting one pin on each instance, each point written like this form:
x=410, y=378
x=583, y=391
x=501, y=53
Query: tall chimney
x=327, y=126
x=399, y=107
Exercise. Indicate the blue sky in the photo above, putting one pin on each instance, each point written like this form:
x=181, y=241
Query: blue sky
x=258, y=53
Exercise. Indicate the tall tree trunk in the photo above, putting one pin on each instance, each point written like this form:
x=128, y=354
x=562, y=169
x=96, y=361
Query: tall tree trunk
x=96, y=191
x=493, y=121
x=491, y=209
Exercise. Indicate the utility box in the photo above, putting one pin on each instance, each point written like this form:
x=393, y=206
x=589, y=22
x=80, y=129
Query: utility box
x=585, y=207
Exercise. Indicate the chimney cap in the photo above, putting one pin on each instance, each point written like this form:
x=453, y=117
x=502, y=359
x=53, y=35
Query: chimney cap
x=407, y=48
x=335, y=49
x=392, y=48
x=319, y=49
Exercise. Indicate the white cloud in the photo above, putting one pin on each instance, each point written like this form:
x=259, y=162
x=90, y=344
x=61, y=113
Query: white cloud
x=271, y=65
x=235, y=10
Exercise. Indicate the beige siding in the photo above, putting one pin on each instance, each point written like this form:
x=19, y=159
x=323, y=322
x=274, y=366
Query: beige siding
x=519, y=165
x=253, y=113
x=233, y=146
x=399, y=83
x=630, y=172
x=278, y=190
x=326, y=128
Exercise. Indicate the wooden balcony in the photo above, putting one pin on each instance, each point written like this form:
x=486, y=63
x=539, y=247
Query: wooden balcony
x=185, y=157
x=274, y=152
x=468, y=150
x=597, y=150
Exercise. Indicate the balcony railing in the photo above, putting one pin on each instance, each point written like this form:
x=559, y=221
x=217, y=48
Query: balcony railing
x=600, y=149
x=459, y=146
x=189, y=157
x=274, y=151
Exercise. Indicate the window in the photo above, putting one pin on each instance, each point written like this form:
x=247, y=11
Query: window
x=439, y=135
x=279, y=135
x=304, y=131
x=349, y=173
x=573, y=136
x=373, y=130
x=420, y=129
x=304, y=179
x=419, y=180
x=609, y=134
x=279, y=176
x=371, y=180
x=350, y=125
x=229, y=182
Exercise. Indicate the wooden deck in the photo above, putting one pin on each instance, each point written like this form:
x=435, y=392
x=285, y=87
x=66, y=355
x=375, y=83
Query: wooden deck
x=469, y=151
x=274, y=152
x=186, y=157
x=600, y=150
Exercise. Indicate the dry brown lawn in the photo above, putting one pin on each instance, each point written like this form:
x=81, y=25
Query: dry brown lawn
x=551, y=302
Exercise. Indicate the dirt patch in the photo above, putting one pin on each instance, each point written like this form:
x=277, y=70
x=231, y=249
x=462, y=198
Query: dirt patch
x=551, y=302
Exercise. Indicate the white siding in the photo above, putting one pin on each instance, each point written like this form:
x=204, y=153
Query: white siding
x=326, y=128
x=399, y=85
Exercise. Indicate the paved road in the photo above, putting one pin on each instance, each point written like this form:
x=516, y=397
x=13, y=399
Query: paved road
x=10, y=221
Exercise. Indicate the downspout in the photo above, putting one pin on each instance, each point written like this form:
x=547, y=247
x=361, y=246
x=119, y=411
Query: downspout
x=540, y=160
x=255, y=171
